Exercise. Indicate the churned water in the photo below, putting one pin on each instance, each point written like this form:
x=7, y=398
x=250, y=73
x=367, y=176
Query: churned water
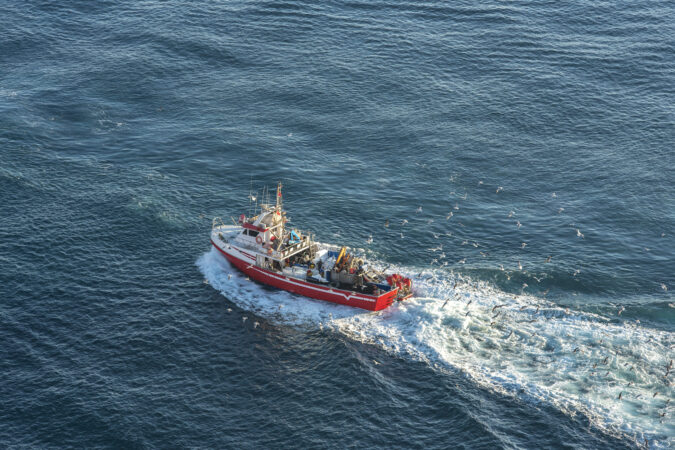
x=514, y=158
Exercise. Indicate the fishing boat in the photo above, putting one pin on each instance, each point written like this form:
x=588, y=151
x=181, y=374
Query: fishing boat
x=268, y=251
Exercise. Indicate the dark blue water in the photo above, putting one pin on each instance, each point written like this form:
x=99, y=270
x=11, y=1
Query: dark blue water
x=547, y=130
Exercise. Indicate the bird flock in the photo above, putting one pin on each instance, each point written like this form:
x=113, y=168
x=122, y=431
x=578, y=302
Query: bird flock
x=499, y=311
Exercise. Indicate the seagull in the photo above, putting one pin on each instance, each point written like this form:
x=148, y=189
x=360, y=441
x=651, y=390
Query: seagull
x=243, y=319
x=576, y=272
x=520, y=266
x=523, y=245
x=404, y=222
x=548, y=260
x=576, y=350
x=386, y=223
x=622, y=309
x=446, y=302
x=229, y=309
x=370, y=239
x=402, y=236
x=664, y=287
x=511, y=213
x=456, y=207
x=419, y=210
x=255, y=324
x=448, y=216
x=554, y=195
x=480, y=182
x=499, y=189
x=560, y=210
x=525, y=285
x=580, y=234
x=518, y=224
x=462, y=261
x=620, y=395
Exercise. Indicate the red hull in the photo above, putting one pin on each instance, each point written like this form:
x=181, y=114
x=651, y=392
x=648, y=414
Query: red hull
x=312, y=290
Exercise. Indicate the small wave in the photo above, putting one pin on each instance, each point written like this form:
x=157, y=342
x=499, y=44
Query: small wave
x=612, y=371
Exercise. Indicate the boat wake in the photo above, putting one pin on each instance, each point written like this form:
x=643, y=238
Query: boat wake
x=609, y=370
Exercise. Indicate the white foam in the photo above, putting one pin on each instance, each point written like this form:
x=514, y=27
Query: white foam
x=527, y=350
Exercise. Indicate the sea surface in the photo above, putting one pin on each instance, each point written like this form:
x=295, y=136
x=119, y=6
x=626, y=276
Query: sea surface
x=516, y=159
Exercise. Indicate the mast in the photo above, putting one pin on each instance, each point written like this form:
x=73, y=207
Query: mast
x=279, y=201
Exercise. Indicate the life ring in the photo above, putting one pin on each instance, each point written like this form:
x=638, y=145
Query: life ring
x=259, y=239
